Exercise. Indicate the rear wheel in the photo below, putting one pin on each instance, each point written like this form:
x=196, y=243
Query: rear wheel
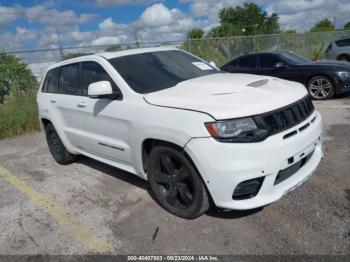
x=176, y=183
x=320, y=88
x=56, y=147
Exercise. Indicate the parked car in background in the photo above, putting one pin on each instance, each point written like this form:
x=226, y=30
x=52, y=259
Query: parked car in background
x=323, y=79
x=194, y=132
x=339, y=50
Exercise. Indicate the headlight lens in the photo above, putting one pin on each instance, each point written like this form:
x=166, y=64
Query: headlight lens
x=237, y=130
x=344, y=75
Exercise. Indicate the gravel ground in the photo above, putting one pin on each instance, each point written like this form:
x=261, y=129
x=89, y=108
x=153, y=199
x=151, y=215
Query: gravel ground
x=89, y=207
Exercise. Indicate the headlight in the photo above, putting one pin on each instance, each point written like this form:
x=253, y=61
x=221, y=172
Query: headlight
x=344, y=75
x=243, y=130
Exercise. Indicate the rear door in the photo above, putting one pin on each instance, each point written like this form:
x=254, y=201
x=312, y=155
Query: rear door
x=66, y=103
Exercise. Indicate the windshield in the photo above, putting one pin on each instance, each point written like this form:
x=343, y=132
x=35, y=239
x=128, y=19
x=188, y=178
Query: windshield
x=293, y=58
x=154, y=71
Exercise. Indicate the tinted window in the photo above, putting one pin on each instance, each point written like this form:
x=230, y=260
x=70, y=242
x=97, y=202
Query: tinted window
x=93, y=72
x=343, y=42
x=292, y=58
x=69, y=81
x=248, y=61
x=154, y=71
x=268, y=61
x=51, y=81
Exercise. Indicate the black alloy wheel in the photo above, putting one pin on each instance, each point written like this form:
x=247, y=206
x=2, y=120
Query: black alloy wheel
x=176, y=184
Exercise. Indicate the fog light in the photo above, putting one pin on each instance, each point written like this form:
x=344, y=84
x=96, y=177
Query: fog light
x=248, y=189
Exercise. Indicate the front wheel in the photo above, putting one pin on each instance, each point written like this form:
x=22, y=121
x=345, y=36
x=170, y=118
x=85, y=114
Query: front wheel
x=320, y=88
x=176, y=183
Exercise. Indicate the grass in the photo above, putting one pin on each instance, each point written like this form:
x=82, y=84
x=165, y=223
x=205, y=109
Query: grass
x=18, y=115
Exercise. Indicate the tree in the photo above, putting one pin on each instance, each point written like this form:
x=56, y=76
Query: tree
x=114, y=48
x=15, y=77
x=323, y=26
x=195, y=33
x=289, y=31
x=347, y=26
x=250, y=19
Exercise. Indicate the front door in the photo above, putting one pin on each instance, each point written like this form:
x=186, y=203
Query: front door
x=103, y=123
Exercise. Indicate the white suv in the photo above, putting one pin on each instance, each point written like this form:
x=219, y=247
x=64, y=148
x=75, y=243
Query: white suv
x=197, y=134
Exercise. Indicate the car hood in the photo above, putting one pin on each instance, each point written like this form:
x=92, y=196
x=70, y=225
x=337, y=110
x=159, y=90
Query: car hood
x=225, y=95
x=338, y=65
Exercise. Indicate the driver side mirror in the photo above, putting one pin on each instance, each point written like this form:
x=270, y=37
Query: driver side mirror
x=280, y=65
x=102, y=89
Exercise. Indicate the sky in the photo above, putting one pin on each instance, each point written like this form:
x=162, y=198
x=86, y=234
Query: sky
x=34, y=24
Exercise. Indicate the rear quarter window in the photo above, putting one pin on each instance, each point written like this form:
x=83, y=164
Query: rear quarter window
x=51, y=81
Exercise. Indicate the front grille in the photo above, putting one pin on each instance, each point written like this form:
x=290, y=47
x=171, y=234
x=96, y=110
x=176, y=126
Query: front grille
x=287, y=117
x=247, y=189
x=291, y=170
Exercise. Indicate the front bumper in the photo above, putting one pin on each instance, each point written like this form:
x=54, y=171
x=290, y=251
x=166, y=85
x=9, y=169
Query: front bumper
x=343, y=87
x=224, y=165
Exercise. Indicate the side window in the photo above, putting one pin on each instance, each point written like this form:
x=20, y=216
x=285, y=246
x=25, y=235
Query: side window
x=248, y=61
x=51, y=81
x=93, y=72
x=268, y=61
x=69, y=80
x=343, y=42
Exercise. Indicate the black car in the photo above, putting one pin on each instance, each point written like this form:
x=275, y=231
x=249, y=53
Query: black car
x=323, y=79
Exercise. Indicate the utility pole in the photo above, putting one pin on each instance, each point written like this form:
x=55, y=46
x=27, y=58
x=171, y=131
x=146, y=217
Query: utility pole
x=135, y=30
x=59, y=43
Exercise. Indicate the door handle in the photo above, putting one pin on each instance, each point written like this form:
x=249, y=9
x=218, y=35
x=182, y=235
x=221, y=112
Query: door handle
x=54, y=101
x=82, y=104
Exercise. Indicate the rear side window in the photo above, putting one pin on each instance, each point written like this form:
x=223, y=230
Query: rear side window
x=343, y=42
x=93, y=72
x=69, y=80
x=51, y=81
x=268, y=61
x=248, y=61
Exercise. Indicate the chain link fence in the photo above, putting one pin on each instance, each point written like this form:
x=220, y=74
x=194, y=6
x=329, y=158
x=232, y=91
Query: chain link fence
x=219, y=50
x=223, y=50
x=18, y=111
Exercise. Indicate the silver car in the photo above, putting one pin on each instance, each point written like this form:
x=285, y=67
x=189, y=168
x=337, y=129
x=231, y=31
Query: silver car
x=339, y=49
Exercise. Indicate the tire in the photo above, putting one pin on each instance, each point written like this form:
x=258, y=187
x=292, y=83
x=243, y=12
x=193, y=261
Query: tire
x=176, y=184
x=56, y=147
x=344, y=58
x=321, y=88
